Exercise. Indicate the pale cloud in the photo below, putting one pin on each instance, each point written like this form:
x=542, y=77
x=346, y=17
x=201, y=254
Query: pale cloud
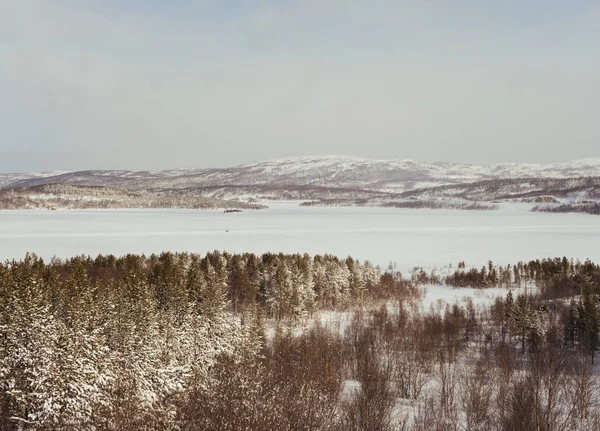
x=95, y=86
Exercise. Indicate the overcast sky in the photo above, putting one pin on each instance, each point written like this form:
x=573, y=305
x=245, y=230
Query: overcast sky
x=151, y=84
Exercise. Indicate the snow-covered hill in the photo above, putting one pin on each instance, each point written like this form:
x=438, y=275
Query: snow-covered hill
x=400, y=175
x=323, y=171
x=7, y=179
x=341, y=180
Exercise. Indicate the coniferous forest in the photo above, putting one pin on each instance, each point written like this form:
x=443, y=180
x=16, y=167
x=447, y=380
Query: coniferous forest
x=294, y=342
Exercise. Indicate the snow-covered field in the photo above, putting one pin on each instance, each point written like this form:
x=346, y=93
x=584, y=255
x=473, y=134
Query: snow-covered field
x=428, y=238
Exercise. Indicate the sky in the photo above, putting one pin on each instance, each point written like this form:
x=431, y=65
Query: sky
x=149, y=84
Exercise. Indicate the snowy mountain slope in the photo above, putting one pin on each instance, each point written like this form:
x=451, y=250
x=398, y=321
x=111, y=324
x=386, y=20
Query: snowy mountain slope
x=7, y=179
x=324, y=171
x=338, y=177
x=513, y=189
x=394, y=174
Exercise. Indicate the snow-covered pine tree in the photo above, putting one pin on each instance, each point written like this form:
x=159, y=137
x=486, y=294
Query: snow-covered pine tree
x=524, y=319
x=28, y=334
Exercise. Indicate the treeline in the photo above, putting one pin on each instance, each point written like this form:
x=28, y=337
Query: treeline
x=557, y=277
x=588, y=208
x=513, y=188
x=66, y=196
x=410, y=204
x=283, y=285
x=418, y=204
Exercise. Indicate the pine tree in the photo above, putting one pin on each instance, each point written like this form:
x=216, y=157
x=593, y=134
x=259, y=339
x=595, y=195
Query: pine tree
x=589, y=323
x=28, y=333
x=571, y=324
x=524, y=319
x=283, y=300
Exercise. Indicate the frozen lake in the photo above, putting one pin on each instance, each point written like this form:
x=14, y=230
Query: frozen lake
x=409, y=237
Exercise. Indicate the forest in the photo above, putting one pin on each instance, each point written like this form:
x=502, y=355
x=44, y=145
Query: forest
x=67, y=196
x=223, y=341
x=588, y=208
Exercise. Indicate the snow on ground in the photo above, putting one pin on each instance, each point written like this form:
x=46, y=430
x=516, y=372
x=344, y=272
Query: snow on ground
x=409, y=237
x=440, y=170
x=333, y=320
x=436, y=297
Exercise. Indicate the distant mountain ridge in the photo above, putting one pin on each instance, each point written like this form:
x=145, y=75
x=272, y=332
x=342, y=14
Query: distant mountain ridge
x=324, y=171
x=322, y=180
